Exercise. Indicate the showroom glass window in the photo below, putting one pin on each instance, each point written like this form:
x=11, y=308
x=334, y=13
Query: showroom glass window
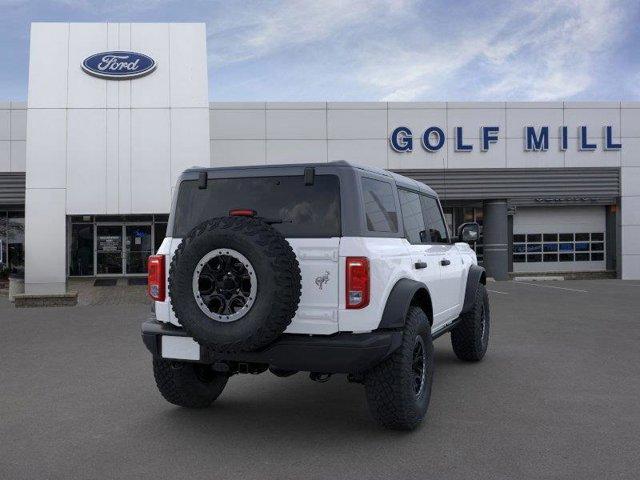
x=12, y=239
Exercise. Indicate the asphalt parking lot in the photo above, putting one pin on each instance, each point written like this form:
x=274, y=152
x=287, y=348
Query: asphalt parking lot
x=557, y=396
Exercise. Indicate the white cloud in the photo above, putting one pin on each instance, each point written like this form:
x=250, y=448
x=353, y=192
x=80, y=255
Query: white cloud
x=546, y=51
x=257, y=30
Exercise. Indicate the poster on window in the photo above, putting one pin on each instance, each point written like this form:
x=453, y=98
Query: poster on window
x=109, y=243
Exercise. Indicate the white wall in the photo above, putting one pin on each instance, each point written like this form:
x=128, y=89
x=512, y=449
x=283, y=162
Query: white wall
x=267, y=133
x=13, y=135
x=98, y=146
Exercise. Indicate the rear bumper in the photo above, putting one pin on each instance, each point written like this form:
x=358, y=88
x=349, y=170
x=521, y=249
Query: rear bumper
x=338, y=353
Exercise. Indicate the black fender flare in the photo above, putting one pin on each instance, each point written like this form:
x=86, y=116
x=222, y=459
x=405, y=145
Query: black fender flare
x=400, y=299
x=476, y=276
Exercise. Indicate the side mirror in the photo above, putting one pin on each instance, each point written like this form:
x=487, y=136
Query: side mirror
x=469, y=232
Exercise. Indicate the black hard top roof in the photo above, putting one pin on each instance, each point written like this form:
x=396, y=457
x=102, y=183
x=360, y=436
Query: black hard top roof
x=400, y=180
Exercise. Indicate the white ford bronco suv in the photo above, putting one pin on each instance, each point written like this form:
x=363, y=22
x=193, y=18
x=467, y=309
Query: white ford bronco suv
x=323, y=268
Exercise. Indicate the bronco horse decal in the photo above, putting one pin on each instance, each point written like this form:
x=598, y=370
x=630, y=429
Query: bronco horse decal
x=322, y=279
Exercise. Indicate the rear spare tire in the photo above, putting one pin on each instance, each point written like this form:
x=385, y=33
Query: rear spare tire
x=234, y=283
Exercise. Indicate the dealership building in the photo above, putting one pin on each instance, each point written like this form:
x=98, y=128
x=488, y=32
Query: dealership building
x=116, y=111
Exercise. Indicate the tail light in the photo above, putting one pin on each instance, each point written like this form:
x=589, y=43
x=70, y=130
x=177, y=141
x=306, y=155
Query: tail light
x=156, y=279
x=242, y=212
x=357, y=277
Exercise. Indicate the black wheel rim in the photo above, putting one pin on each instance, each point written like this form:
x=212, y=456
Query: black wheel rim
x=224, y=285
x=419, y=367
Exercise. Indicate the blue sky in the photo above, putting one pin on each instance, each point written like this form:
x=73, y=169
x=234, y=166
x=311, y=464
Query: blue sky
x=363, y=50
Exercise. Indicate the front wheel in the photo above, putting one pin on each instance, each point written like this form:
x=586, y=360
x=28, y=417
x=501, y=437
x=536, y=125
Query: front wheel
x=190, y=385
x=399, y=388
x=470, y=338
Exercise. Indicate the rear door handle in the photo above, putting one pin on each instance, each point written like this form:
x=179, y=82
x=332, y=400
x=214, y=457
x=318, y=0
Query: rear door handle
x=420, y=265
x=445, y=261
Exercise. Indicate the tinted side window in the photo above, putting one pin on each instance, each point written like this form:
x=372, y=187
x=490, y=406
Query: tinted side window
x=412, y=217
x=379, y=206
x=436, y=229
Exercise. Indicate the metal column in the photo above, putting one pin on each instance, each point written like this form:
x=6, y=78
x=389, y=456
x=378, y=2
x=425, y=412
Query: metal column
x=496, y=239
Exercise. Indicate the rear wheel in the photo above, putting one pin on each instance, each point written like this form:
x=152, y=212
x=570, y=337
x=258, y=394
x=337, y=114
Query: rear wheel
x=185, y=384
x=399, y=388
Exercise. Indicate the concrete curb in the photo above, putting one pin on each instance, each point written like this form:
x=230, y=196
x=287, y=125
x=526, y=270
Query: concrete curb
x=68, y=299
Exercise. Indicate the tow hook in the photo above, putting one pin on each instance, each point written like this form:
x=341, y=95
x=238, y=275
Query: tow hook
x=319, y=377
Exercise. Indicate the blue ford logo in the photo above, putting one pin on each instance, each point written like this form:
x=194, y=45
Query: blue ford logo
x=118, y=65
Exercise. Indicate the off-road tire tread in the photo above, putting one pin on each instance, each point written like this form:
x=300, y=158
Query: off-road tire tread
x=391, y=403
x=284, y=263
x=182, y=388
x=466, y=337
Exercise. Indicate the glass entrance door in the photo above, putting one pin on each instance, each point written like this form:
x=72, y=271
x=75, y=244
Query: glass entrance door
x=138, y=246
x=109, y=250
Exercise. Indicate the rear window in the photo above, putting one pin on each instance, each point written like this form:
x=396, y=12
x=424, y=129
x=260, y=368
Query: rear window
x=306, y=210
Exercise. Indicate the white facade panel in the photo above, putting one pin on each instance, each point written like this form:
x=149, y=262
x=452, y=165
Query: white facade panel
x=418, y=158
x=418, y=120
x=85, y=91
x=227, y=153
x=517, y=157
x=86, y=161
x=153, y=90
x=238, y=124
x=630, y=182
x=18, y=156
x=45, y=240
x=494, y=157
x=296, y=124
x=592, y=118
x=47, y=148
x=574, y=157
x=631, y=239
x=150, y=160
x=189, y=140
x=630, y=121
x=630, y=153
x=48, y=62
x=630, y=211
x=188, y=56
x=124, y=86
x=630, y=267
x=296, y=151
x=18, y=124
x=5, y=124
x=366, y=152
x=356, y=124
x=519, y=118
x=111, y=161
x=124, y=161
x=471, y=119
x=5, y=156
x=113, y=43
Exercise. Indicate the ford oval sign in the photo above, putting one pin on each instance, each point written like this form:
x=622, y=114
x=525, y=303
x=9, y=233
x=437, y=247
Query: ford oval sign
x=118, y=65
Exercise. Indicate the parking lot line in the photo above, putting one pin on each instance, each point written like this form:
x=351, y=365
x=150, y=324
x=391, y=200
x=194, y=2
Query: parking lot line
x=496, y=291
x=551, y=286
